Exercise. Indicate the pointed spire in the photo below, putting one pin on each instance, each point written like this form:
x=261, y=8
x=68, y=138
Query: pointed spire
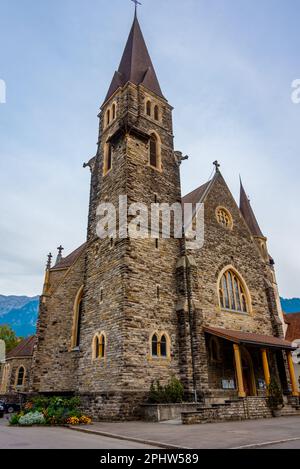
x=49, y=261
x=136, y=65
x=59, y=255
x=248, y=213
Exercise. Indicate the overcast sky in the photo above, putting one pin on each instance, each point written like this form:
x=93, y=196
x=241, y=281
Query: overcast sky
x=225, y=65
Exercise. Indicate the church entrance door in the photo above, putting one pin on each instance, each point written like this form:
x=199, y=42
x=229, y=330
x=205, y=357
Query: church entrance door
x=248, y=374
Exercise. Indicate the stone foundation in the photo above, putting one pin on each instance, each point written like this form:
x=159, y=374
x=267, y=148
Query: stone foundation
x=250, y=408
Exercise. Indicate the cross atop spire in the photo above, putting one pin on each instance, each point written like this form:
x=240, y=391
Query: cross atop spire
x=217, y=166
x=136, y=4
x=60, y=249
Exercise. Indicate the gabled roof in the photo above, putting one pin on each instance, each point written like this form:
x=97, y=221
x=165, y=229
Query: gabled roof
x=136, y=65
x=248, y=214
x=68, y=261
x=293, y=322
x=195, y=196
x=23, y=349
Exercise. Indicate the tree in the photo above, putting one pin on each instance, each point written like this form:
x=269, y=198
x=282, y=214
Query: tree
x=9, y=337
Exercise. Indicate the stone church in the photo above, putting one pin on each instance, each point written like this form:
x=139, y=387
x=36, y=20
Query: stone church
x=118, y=314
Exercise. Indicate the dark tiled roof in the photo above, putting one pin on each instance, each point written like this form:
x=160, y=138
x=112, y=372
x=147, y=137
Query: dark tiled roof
x=248, y=214
x=293, y=330
x=136, y=65
x=240, y=337
x=195, y=196
x=23, y=349
x=68, y=261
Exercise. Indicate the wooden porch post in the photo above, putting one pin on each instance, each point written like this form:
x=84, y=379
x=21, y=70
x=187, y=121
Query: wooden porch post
x=266, y=366
x=295, y=390
x=239, y=370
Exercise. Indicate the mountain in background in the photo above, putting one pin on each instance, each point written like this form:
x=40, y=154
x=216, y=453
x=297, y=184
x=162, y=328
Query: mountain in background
x=19, y=312
x=291, y=305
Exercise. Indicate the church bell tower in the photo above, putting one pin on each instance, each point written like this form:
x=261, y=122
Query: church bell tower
x=130, y=290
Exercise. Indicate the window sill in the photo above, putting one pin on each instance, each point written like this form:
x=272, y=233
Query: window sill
x=241, y=313
x=159, y=170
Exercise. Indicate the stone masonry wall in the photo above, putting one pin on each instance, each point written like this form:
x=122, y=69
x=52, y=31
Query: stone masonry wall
x=54, y=363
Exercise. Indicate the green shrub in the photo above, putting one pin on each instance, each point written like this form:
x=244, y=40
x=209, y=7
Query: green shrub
x=14, y=419
x=172, y=393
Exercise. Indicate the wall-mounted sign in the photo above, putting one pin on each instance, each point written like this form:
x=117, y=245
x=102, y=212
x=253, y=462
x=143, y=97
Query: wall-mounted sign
x=228, y=384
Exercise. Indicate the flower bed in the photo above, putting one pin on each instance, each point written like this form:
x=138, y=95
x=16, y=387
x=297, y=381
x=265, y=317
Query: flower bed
x=51, y=411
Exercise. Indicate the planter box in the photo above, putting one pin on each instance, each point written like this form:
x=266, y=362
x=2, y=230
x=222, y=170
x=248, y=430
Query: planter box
x=164, y=412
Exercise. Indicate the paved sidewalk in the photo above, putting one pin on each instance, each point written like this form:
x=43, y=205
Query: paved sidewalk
x=217, y=436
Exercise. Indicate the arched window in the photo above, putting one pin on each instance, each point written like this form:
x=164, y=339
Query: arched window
x=96, y=346
x=154, y=345
x=160, y=345
x=232, y=293
x=102, y=346
x=148, y=108
x=107, y=158
x=154, y=159
x=77, y=316
x=114, y=111
x=107, y=116
x=163, y=346
x=99, y=346
x=21, y=376
x=156, y=113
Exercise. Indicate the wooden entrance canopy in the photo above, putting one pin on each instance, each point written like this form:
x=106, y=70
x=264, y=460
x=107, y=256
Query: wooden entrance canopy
x=239, y=337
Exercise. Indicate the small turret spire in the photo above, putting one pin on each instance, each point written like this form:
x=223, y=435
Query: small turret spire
x=248, y=213
x=49, y=261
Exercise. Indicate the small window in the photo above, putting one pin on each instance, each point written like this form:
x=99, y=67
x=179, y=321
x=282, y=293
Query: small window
x=101, y=295
x=114, y=111
x=108, y=117
x=158, y=292
x=148, y=108
x=111, y=243
x=224, y=218
x=156, y=113
x=108, y=158
x=101, y=346
x=156, y=244
x=96, y=347
x=154, y=346
x=21, y=376
x=160, y=346
x=153, y=151
x=163, y=346
x=80, y=307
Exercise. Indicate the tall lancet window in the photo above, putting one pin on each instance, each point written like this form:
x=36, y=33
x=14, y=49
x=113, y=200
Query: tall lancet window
x=148, y=108
x=108, y=153
x=154, y=152
x=233, y=293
